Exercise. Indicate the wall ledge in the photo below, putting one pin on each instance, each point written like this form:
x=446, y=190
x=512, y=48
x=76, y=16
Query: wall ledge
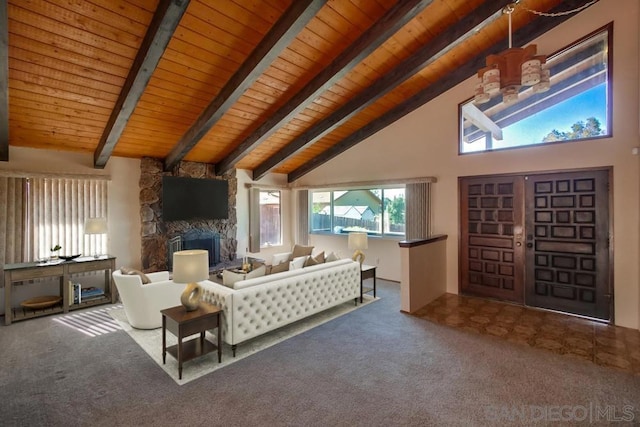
x=418, y=242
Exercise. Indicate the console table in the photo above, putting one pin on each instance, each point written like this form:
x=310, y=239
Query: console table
x=63, y=270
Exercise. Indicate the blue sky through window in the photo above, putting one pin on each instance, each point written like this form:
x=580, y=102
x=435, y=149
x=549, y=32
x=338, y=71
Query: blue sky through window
x=591, y=103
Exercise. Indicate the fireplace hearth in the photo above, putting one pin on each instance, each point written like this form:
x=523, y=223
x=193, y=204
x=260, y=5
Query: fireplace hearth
x=195, y=239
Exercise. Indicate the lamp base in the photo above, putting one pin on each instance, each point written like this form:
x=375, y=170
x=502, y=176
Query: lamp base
x=358, y=255
x=190, y=298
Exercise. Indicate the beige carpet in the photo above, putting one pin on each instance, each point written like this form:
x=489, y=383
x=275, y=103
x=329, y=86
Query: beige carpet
x=151, y=342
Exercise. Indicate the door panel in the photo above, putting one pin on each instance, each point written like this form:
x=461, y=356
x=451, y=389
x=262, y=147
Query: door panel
x=567, y=240
x=491, y=250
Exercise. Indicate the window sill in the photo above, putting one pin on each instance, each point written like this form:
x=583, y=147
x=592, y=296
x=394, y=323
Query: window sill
x=390, y=237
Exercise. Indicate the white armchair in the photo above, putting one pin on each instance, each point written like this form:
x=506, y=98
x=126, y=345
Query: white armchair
x=142, y=303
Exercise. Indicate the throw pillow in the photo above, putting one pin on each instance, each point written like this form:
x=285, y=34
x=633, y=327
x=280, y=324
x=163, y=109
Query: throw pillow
x=331, y=257
x=258, y=272
x=318, y=259
x=310, y=261
x=284, y=257
x=299, y=250
x=229, y=278
x=298, y=262
x=283, y=266
x=131, y=271
x=256, y=265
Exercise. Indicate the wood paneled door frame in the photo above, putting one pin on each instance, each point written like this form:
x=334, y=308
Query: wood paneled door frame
x=540, y=239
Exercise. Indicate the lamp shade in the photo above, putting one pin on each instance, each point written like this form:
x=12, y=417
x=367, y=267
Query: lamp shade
x=358, y=240
x=95, y=226
x=190, y=266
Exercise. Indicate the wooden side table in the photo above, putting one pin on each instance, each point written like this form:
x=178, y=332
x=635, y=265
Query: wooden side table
x=183, y=323
x=367, y=272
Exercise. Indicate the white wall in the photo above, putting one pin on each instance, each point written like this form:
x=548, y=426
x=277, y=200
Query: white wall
x=425, y=143
x=383, y=253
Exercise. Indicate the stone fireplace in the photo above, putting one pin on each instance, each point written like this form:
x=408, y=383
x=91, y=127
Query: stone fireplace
x=159, y=236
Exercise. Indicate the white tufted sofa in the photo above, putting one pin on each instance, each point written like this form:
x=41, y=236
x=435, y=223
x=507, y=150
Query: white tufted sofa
x=262, y=304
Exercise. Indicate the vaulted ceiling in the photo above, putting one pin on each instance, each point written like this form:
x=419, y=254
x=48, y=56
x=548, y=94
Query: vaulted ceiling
x=268, y=86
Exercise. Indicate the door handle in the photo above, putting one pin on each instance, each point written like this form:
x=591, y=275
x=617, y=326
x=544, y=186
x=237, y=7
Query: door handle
x=518, y=243
x=529, y=245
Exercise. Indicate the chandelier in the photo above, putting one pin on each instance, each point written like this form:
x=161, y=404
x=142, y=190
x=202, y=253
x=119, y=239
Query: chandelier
x=511, y=69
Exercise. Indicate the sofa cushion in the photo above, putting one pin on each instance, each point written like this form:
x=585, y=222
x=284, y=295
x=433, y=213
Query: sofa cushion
x=256, y=265
x=279, y=268
x=318, y=259
x=134, y=272
x=331, y=257
x=280, y=258
x=258, y=272
x=297, y=262
x=286, y=274
x=229, y=278
x=299, y=250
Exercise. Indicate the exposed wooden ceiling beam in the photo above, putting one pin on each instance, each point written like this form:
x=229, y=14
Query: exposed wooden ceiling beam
x=369, y=41
x=4, y=82
x=526, y=34
x=442, y=43
x=279, y=37
x=161, y=29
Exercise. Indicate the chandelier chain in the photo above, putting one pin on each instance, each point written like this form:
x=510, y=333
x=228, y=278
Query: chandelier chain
x=568, y=12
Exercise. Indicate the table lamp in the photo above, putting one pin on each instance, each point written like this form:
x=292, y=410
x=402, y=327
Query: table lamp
x=190, y=267
x=95, y=226
x=358, y=242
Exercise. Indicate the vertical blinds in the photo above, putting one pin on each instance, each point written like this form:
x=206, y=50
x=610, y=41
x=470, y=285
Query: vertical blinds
x=417, y=210
x=57, y=209
x=302, y=235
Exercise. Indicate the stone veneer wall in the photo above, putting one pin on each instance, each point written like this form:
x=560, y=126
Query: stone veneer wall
x=156, y=232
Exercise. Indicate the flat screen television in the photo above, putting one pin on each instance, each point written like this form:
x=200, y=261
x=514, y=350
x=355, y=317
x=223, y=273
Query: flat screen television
x=194, y=198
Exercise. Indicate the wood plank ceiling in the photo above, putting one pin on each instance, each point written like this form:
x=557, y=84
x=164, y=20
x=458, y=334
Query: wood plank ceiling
x=269, y=86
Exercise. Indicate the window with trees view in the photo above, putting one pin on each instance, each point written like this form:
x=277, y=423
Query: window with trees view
x=577, y=105
x=270, y=218
x=377, y=211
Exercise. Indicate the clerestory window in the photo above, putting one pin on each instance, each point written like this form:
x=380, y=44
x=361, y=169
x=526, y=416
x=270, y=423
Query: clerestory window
x=577, y=105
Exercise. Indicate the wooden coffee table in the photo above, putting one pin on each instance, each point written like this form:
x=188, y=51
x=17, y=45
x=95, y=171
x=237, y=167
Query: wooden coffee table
x=183, y=323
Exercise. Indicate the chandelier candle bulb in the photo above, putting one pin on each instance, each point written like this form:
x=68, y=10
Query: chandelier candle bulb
x=545, y=82
x=481, y=97
x=531, y=72
x=491, y=81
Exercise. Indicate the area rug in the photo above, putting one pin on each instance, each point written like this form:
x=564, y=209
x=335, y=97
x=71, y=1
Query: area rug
x=151, y=342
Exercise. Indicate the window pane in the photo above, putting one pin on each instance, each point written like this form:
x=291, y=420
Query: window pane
x=321, y=211
x=394, y=208
x=576, y=105
x=270, y=218
x=357, y=210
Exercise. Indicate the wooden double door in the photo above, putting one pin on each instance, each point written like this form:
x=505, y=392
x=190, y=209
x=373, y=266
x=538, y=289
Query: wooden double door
x=540, y=239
